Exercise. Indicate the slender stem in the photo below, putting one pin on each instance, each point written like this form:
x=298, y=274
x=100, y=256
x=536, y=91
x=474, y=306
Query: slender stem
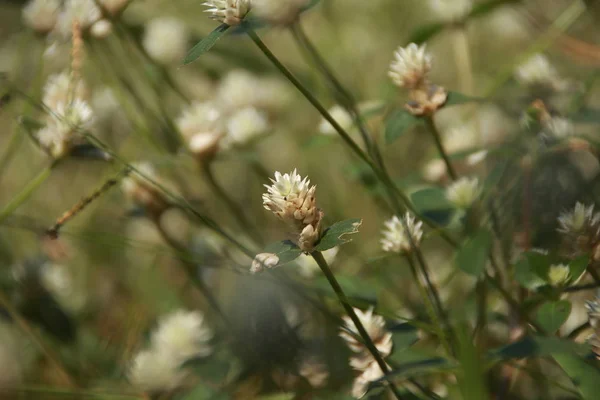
x=234, y=208
x=440, y=147
x=432, y=289
x=27, y=191
x=428, y=305
x=24, y=326
x=350, y=311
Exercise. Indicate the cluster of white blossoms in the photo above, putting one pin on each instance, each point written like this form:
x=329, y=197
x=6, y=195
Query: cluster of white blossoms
x=451, y=10
x=180, y=336
x=47, y=16
x=142, y=193
x=580, y=228
x=559, y=274
x=538, y=71
x=363, y=360
x=230, y=12
x=69, y=115
x=396, y=236
x=463, y=192
x=166, y=40
x=292, y=200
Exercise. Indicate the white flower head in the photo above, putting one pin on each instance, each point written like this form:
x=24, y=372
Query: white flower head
x=410, y=66
x=85, y=12
x=559, y=274
x=183, y=334
x=238, y=89
x=291, y=198
x=361, y=382
x=262, y=261
x=199, y=117
x=341, y=116
x=78, y=114
x=60, y=87
x=579, y=220
x=463, y=192
x=375, y=327
x=155, y=371
x=451, y=10
x=395, y=236
x=245, y=125
x=308, y=267
x=101, y=29
x=41, y=15
x=230, y=12
x=278, y=12
x=560, y=127
x=166, y=40
x=537, y=70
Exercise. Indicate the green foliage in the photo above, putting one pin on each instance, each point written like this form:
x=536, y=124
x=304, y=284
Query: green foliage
x=205, y=44
x=336, y=234
x=433, y=204
x=531, y=271
x=552, y=315
x=456, y=98
x=584, y=376
x=537, y=346
x=398, y=123
x=472, y=256
x=286, y=250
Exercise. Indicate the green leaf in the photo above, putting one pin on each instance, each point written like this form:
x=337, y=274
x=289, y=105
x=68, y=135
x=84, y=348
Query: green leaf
x=471, y=379
x=531, y=271
x=585, y=377
x=425, y=32
x=398, y=123
x=482, y=9
x=286, y=250
x=205, y=44
x=537, y=346
x=404, y=335
x=433, y=204
x=473, y=254
x=456, y=98
x=335, y=234
x=203, y=392
x=578, y=266
x=552, y=315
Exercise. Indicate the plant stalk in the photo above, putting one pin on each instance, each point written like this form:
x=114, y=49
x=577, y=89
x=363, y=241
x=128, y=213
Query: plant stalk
x=440, y=147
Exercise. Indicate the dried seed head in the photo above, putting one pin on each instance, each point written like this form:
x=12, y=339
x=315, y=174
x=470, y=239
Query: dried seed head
x=230, y=12
x=395, y=236
x=410, y=66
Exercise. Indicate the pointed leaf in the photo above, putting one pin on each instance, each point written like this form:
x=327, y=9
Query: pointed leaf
x=585, y=377
x=537, y=346
x=472, y=256
x=336, y=234
x=286, y=250
x=205, y=44
x=433, y=204
x=455, y=98
x=425, y=32
x=531, y=271
x=398, y=123
x=552, y=315
x=578, y=266
x=404, y=335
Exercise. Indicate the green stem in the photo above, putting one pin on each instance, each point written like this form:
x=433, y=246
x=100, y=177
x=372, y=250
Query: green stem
x=440, y=147
x=432, y=289
x=428, y=305
x=350, y=311
x=22, y=197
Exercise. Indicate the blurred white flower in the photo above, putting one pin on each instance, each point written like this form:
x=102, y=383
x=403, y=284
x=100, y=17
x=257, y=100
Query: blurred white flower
x=278, y=12
x=183, y=335
x=434, y=170
x=579, y=220
x=477, y=157
x=463, y=192
x=315, y=371
x=59, y=282
x=262, y=261
x=205, y=145
x=459, y=138
x=237, y=90
x=537, y=70
x=558, y=274
x=341, y=116
x=113, y=6
x=395, y=237
x=308, y=267
x=155, y=371
x=199, y=118
x=60, y=87
x=41, y=15
x=230, y=12
x=361, y=382
x=410, y=66
x=101, y=29
x=559, y=127
x=166, y=40
x=451, y=10
x=375, y=327
x=85, y=12
x=245, y=125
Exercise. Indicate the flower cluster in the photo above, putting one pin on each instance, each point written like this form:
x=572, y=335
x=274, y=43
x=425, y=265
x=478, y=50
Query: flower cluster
x=166, y=40
x=398, y=233
x=180, y=336
x=580, y=228
x=410, y=69
x=363, y=360
x=46, y=16
x=463, y=192
x=537, y=71
x=230, y=12
x=292, y=200
x=69, y=115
